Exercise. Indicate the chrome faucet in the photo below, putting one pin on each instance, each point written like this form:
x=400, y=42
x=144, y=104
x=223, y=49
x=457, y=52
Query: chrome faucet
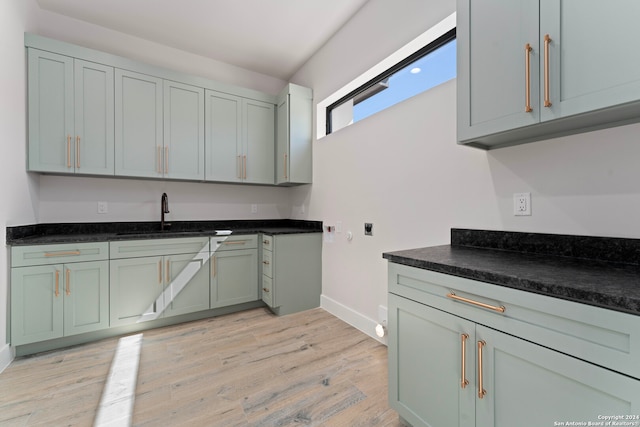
x=164, y=208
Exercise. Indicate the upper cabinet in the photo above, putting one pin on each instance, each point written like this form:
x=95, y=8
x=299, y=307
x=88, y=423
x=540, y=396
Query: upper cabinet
x=293, y=136
x=95, y=113
x=70, y=115
x=535, y=69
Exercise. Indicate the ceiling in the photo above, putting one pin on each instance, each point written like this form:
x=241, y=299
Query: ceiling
x=272, y=37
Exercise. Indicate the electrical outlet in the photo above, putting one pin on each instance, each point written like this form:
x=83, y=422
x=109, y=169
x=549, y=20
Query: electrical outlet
x=254, y=208
x=522, y=204
x=103, y=207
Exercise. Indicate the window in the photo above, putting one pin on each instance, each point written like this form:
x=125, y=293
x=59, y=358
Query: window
x=432, y=64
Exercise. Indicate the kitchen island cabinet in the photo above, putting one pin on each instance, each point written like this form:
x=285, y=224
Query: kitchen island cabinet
x=555, y=77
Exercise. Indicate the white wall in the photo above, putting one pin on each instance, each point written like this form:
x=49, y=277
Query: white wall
x=18, y=191
x=402, y=170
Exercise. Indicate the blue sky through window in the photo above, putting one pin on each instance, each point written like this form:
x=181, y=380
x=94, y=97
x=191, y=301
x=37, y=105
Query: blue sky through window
x=435, y=68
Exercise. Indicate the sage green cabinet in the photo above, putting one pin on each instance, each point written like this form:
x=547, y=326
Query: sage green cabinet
x=183, y=131
x=139, y=150
x=151, y=279
x=234, y=270
x=524, y=65
x=56, y=293
x=454, y=363
x=258, y=141
x=223, y=137
x=71, y=115
x=291, y=272
x=293, y=135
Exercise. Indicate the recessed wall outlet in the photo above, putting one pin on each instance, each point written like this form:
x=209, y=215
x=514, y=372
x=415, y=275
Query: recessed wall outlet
x=522, y=204
x=368, y=229
x=103, y=207
x=254, y=208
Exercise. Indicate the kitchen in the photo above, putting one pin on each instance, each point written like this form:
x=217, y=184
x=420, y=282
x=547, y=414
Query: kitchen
x=400, y=170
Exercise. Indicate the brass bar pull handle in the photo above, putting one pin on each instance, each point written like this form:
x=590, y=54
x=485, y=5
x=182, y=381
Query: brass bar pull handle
x=547, y=100
x=158, y=159
x=167, y=278
x=285, y=166
x=236, y=242
x=244, y=166
x=463, y=373
x=213, y=267
x=265, y=290
x=64, y=253
x=265, y=262
x=166, y=160
x=160, y=272
x=527, y=77
x=68, y=290
x=68, y=151
x=57, y=283
x=481, y=391
x=499, y=309
x=266, y=242
x=78, y=151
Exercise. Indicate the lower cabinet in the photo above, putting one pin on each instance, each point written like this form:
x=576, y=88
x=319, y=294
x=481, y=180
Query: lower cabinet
x=173, y=281
x=57, y=300
x=446, y=370
x=234, y=270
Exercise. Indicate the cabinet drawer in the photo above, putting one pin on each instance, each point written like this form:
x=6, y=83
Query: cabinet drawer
x=267, y=242
x=156, y=247
x=604, y=337
x=231, y=243
x=267, y=290
x=267, y=263
x=22, y=256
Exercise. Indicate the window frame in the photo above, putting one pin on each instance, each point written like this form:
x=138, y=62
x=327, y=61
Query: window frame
x=440, y=41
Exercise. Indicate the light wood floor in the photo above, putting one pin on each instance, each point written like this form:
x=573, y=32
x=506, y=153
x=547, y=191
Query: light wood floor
x=245, y=369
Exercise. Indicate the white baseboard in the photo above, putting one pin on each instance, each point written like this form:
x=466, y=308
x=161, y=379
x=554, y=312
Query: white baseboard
x=355, y=319
x=6, y=356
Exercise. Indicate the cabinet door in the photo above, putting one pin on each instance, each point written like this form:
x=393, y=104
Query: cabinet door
x=283, y=159
x=293, y=135
x=86, y=297
x=51, y=128
x=234, y=277
x=223, y=137
x=425, y=365
x=258, y=141
x=591, y=62
x=36, y=303
x=186, y=284
x=135, y=290
x=530, y=385
x=183, y=131
x=138, y=125
x=491, y=66
x=94, y=115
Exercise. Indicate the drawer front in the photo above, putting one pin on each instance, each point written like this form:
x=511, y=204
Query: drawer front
x=231, y=243
x=158, y=247
x=267, y=290
x=267, y=242
x=22, y=256
x=604, y=337
x=267, y=263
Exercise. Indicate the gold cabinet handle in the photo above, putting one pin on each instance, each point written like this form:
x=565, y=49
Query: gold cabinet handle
x=547, y=100
x=499, y=309
x=266, y=242
x=160, y=272
x=527, y=78
x=167, y=278
x=265, y=290
x=481, y=391
x=265, y=262
x=166, y=160
x=78, y=151
x=285, y=166
x=57, y=283
x=213, y=267
x=236, y=242
x=244, y=166
x=68, y=151
x=463, y=373
x=68, y=289
x=63, y=253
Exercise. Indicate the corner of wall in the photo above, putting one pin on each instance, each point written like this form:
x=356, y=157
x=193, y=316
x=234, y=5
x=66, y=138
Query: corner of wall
x=6, y=356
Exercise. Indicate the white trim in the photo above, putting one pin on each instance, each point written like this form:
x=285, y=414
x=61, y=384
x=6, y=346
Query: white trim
x=355, y=319
x=6, y=356
x=442, y=27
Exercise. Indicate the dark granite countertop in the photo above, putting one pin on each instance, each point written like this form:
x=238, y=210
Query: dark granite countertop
x=42, y=234
x=574, y=268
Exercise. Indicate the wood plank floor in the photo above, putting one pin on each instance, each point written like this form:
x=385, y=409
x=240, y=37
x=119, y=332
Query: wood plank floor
x=244, y=369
